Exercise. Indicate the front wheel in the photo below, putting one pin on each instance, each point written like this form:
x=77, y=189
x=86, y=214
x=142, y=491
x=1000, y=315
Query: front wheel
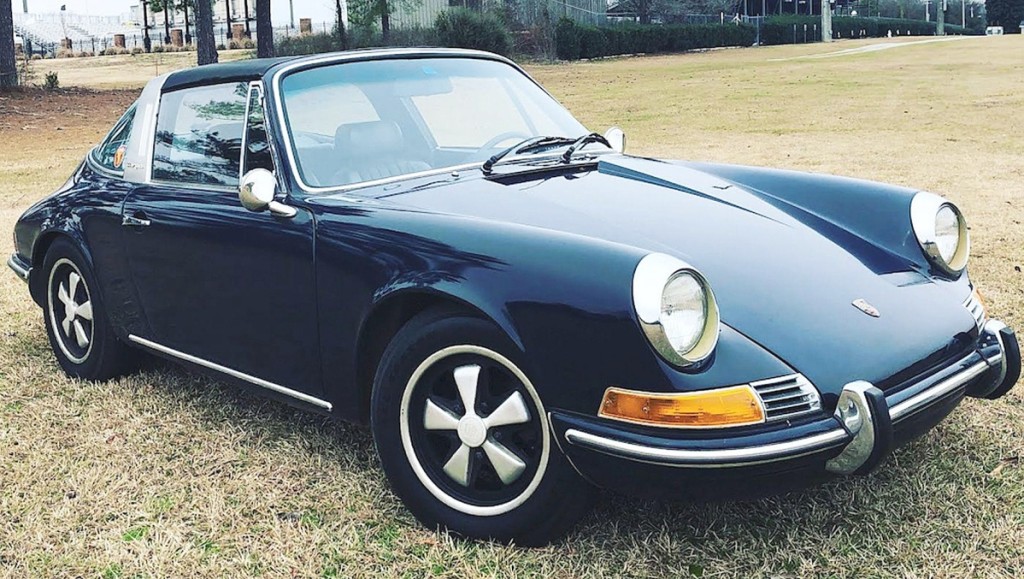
x=463, y=437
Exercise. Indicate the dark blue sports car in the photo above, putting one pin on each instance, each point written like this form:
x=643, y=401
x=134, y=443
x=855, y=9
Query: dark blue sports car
x=425, y=240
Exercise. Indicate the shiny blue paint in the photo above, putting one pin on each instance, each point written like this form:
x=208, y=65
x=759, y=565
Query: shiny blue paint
x=548, y=256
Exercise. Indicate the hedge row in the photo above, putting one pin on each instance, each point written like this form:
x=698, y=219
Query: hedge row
x=574, y=41
x=791, y=29
x=456, y=27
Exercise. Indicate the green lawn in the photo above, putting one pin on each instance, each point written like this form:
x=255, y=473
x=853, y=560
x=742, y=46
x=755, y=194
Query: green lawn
x=166, y=474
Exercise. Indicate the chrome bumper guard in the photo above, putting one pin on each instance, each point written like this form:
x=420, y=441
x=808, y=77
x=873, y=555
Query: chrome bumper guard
x=15, y=263
x=864, y=425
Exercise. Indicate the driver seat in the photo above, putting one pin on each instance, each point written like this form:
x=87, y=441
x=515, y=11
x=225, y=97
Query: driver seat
x=372, y=150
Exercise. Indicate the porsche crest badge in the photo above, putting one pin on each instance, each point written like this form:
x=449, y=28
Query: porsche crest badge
x=862, y=305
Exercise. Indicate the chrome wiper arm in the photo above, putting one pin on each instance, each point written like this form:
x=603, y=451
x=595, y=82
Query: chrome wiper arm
x=523, y=147
x=581, y=142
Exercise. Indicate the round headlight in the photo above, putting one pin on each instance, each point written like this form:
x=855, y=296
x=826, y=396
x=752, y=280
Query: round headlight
x=676, y=308
x=941, y=231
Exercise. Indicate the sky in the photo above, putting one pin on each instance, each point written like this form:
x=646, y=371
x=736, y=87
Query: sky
x=318, y=10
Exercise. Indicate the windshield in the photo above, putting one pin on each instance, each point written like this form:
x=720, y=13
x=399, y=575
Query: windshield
x=356, y=122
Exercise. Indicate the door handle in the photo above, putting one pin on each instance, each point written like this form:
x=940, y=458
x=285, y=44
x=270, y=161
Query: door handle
x=138, y=219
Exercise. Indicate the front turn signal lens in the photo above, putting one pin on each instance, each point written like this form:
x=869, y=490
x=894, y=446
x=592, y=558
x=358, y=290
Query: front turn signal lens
x=732, y=406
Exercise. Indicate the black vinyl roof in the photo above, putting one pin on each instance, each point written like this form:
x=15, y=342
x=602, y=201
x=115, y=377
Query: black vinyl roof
x=234, y=71
x=255, y=68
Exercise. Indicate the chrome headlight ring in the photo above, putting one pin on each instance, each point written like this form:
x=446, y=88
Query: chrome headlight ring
x=941, y=231
x=676, y=309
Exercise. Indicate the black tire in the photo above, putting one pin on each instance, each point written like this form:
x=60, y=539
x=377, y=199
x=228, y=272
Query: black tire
x=537, y=498
x=82, y=339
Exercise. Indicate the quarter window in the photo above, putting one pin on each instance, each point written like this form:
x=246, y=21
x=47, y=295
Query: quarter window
x=199, y=135
x=257, y=152
x=111, y=152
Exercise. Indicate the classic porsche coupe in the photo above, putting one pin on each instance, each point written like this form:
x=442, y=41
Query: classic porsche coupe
x=426, y=241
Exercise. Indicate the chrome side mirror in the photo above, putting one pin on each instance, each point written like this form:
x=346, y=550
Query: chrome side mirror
x=616, y=138
x=256, y=191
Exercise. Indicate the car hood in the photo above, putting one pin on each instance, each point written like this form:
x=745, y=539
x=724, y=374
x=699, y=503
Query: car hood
x=783, y=277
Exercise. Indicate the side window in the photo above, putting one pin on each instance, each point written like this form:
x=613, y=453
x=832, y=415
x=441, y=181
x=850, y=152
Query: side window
x=110, y=153
x=199, y=135
x=256, y=153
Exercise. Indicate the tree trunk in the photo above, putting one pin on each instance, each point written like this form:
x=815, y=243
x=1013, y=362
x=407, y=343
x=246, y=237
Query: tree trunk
x=188, y=32
x=8, y=63
x=206, y=45
x=385, y=21
x=342, y=32
x=264, y=30
x=227, y=18
x=167, y=25
x=147, y=43
x=245, y=5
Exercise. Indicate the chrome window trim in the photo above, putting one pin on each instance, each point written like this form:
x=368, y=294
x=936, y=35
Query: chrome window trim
x=99, y=168
x=91, y=156
x=231, y=372
x=380, y=54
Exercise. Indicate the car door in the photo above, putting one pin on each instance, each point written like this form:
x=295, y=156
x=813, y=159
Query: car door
x=222, y=286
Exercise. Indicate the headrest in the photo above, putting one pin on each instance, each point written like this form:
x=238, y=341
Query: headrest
x=368, y=139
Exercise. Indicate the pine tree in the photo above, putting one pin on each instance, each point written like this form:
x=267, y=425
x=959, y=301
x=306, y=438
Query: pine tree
x=8, y=62
x=1006, y=13
x=206, y=47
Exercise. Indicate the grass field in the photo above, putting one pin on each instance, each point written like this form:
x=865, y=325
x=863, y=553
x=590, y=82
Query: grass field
x=166, y=474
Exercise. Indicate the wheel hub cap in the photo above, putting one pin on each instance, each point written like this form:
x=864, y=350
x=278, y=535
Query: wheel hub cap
x=472, y=431
x=74, y=312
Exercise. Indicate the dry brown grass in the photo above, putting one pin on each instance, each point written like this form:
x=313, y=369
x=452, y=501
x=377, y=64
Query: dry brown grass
x=165, y=474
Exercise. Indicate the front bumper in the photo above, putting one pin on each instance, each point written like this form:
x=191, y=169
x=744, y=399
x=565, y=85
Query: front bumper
x=19, y=267
x=867, y=424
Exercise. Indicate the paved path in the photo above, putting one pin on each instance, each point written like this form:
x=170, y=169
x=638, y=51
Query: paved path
x=871, y=48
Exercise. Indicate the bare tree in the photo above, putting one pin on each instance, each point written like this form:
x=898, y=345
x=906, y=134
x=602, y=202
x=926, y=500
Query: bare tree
x=264, y=30
x=8, y=63
x=206, y=47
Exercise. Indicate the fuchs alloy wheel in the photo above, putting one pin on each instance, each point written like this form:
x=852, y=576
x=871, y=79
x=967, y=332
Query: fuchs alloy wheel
x=76, y=324
x=463, y=436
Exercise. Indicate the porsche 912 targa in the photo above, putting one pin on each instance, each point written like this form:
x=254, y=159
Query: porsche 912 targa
x=426, y=241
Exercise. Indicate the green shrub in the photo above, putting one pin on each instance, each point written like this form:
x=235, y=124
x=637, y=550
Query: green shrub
x=307, y=44
x=574, y=41
x=51, y=82
x=790, y=29
x=462, y=28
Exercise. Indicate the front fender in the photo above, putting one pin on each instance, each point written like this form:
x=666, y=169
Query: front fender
x=565, y=300
x=836, y=206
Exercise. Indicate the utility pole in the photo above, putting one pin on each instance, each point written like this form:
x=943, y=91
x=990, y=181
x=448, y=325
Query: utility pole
x=940, y=17
x=24, y=5
x=927, y=11
x=826, y=21
x=963, y=13
x=291, y=14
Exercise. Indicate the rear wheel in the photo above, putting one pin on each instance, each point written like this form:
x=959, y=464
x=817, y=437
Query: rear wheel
x=463, y=436
x=76, y=322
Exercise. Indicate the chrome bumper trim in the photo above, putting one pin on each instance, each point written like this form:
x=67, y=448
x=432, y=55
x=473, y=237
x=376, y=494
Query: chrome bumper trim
x=774, y=452
x=15, y=264
x=709, y=458
x=923, y=399
x=230, y=372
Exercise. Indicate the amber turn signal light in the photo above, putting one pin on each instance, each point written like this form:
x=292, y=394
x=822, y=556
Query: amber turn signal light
x=732, y=406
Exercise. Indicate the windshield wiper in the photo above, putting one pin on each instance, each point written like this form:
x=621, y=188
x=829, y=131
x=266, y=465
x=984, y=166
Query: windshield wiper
x=525, y=146
x=581, y=142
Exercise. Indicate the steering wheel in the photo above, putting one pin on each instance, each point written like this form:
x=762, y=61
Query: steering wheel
x=502, y=138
